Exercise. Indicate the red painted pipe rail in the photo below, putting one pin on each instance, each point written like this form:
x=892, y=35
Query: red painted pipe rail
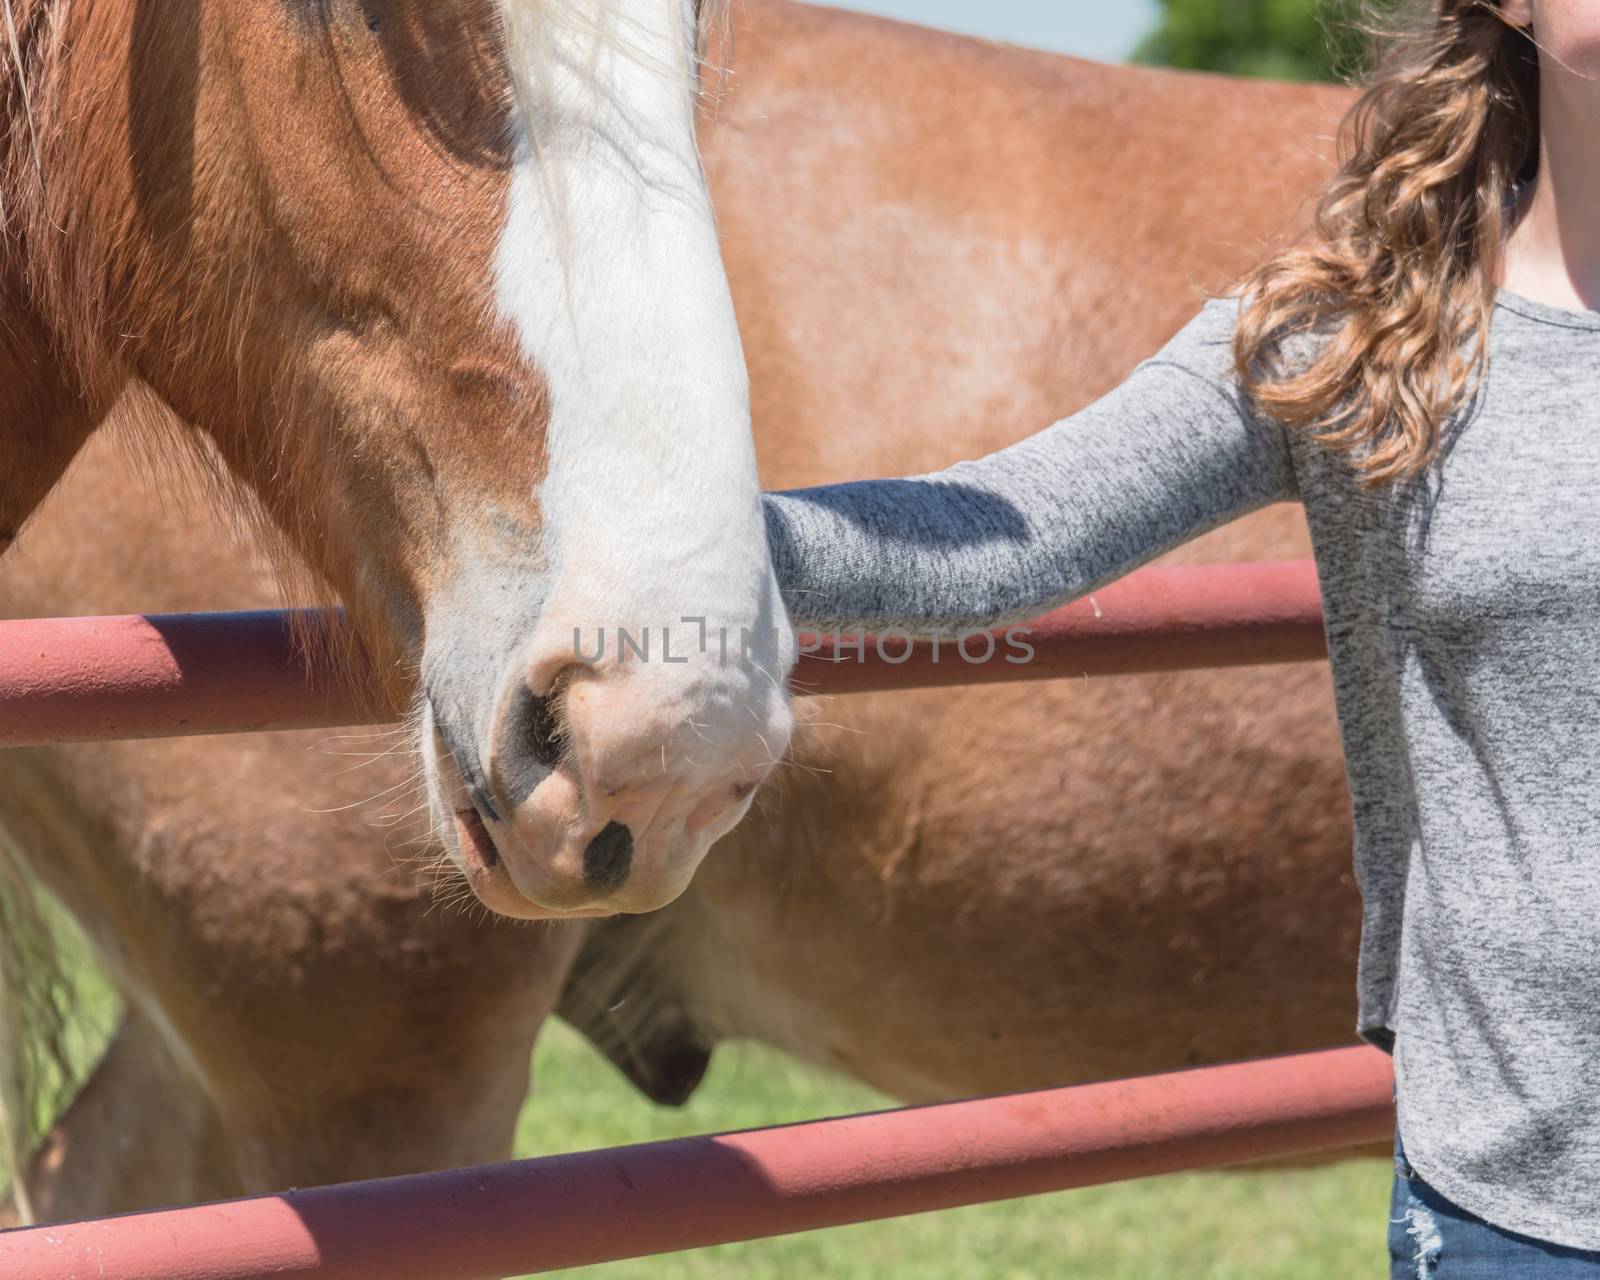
x=601, y=1206
x=80, y=679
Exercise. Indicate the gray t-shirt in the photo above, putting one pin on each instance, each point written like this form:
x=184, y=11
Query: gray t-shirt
x=1460, y=613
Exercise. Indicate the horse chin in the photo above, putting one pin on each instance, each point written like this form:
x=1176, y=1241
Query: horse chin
x=492, y=884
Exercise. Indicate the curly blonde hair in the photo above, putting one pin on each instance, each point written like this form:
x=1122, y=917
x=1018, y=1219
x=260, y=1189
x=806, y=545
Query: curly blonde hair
x=1399, y=276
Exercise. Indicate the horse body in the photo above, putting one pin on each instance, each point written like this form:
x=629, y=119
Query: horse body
x=935, y=246
x=1006, y=887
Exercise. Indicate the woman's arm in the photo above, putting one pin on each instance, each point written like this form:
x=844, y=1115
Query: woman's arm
x=1168, y=455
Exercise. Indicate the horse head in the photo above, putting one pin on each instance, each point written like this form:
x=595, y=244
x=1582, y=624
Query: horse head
x=442, y=285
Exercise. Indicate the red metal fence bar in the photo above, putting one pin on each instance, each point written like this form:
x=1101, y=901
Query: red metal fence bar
x=80, y=679
x=163, y=676
x=601, y=1206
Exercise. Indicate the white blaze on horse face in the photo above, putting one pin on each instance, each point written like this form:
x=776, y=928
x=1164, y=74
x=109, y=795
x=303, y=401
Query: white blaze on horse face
x=610, y=269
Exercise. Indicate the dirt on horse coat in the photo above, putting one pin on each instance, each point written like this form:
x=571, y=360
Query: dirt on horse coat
x=935, y=246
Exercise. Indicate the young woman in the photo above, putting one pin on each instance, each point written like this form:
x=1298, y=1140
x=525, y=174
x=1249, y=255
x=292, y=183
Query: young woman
x=1424, y=375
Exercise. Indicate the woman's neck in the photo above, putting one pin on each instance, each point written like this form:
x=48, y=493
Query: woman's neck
x=1553, y=254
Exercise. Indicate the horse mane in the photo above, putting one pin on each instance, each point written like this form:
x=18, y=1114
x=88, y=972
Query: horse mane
x=530, y=28
x=13, y=50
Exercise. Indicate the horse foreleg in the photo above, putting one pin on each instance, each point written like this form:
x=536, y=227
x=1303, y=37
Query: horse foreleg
x=140, y=1133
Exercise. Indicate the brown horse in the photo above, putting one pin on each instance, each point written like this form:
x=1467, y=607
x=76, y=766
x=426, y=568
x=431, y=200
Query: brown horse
x=439, y=287
x=935, y=245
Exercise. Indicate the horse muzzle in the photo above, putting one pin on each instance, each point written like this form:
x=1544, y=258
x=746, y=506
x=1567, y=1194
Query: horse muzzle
x=602, y=788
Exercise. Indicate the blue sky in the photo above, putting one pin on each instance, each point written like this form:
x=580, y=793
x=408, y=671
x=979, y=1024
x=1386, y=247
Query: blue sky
x=1105, y=30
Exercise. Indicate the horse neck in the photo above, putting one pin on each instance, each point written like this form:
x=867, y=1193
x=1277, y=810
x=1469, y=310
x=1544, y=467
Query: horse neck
x=55, y=384
x=91, y=286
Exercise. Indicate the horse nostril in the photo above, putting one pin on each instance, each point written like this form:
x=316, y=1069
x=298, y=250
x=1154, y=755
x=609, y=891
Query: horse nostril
x=608, y=859
x=528, y=744
x=529, y=729
x=544, y=731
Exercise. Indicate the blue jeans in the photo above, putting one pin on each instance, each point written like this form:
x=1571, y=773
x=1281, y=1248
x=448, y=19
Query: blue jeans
x=1432, y=1239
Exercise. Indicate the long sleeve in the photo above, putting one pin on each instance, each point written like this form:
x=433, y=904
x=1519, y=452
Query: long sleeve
x=1166, y=456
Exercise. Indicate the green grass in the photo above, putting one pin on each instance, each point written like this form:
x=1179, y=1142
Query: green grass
x=1308, y=1224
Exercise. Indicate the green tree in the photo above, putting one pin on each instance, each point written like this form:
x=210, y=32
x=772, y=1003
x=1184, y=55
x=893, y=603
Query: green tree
x=1283, y=39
